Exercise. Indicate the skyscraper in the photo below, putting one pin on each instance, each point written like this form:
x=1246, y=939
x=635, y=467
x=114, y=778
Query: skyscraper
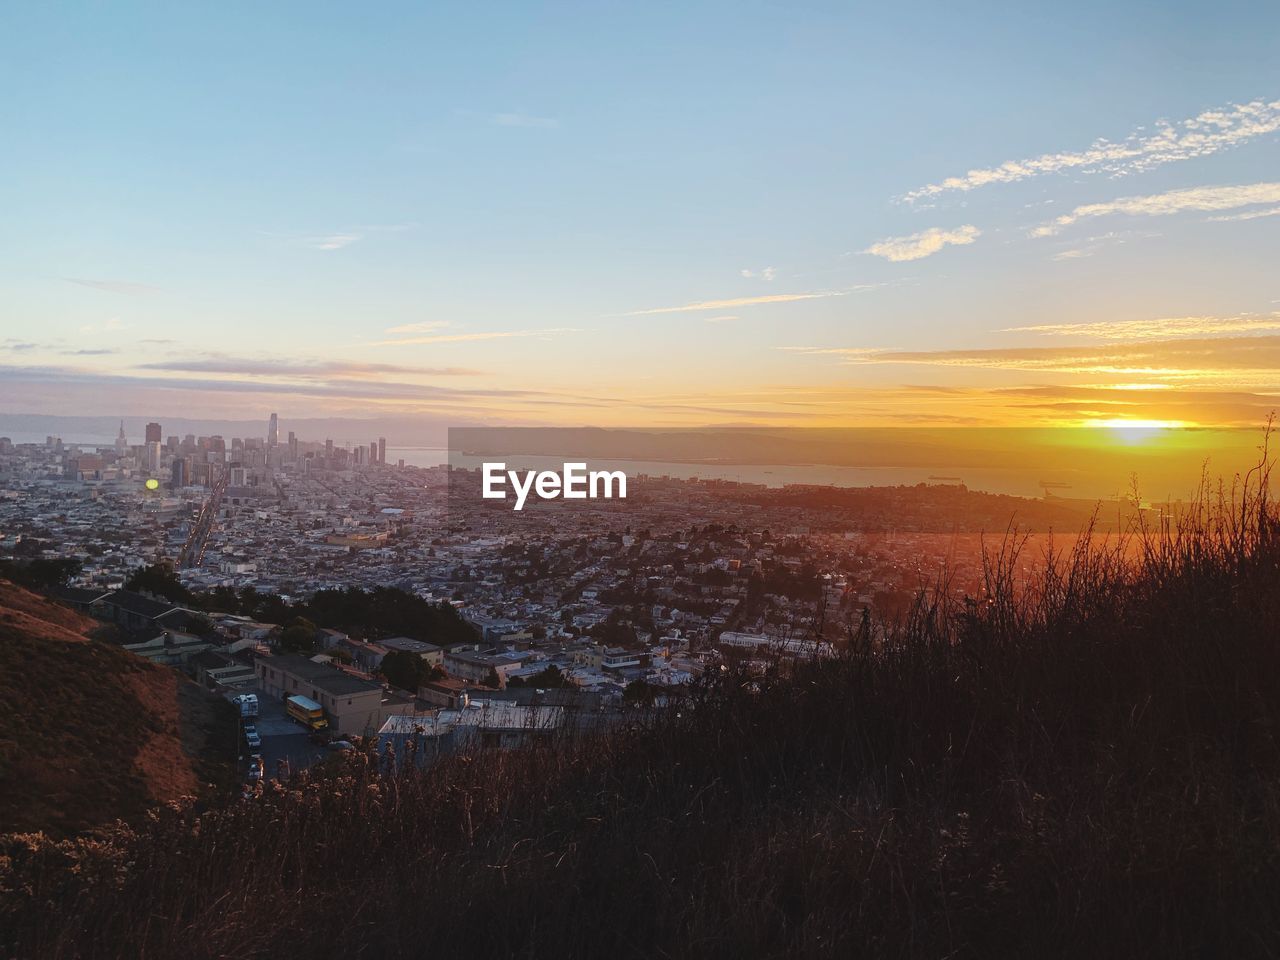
x=121, y=443
x=273, y=431
x=153, y=432
x=382, y=449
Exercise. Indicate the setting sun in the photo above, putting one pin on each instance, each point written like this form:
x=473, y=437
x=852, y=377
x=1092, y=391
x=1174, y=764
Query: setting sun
x=1135, y=432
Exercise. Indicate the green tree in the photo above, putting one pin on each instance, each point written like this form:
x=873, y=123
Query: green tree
x=549, y=677
x=638, y=691
x=159, y=579
x=299, y=636
x=42, y=573
x=405, y=670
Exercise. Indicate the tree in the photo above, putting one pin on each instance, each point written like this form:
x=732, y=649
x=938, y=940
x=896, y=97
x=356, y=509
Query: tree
x=638, y=691
x=299, y=636
x=405, y=670
x=202, y=626
x=548, y=678
x=492, y=679
x=159, y=580
x=42, y=573
x=222, y=599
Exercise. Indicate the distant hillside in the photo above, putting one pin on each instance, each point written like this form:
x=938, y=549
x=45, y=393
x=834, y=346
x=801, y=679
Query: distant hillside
x=88, y=732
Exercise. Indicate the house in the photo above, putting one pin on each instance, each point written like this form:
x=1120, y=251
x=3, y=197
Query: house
x=449, y=691
x=616, y=658
x=501, y=630
x=484, y=723
x=477, y=666
x=219, y=670
x=134, y=611
x=81, y=599
x=353, y=706
x=427, y=651
x=365, y=656
x=328, y=638
x=171, y=647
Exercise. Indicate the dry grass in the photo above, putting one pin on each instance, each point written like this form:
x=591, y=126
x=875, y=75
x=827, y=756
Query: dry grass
x=88, y=733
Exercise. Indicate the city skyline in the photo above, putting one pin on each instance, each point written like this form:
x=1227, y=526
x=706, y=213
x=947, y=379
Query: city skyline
x=711, y=215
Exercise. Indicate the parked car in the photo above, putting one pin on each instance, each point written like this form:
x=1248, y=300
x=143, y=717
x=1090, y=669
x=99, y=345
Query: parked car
x=255, y=768
x=341, y=746
x=251, y=736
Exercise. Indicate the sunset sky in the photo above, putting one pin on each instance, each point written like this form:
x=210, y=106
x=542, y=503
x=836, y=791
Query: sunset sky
x=661, y=213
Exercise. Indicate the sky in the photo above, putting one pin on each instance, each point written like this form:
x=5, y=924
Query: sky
x=643, y=214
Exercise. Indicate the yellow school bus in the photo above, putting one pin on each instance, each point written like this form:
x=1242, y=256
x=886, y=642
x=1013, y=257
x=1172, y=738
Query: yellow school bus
x=307, y=712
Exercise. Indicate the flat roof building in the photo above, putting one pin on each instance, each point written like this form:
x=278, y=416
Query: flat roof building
x=353, y=705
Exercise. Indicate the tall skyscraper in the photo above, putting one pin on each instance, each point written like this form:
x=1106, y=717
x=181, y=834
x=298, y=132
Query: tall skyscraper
x=328, y=451
x=153, y=432
x=293, y=446
x=373, y=452
x=121, y=443
x=382, y=449
x=273, y=431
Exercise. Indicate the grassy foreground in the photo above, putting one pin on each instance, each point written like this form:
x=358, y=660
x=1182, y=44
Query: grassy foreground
x=1086, y=765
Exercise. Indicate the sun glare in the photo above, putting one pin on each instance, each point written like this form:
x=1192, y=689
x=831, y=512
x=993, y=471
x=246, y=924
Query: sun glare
x=1134, y=432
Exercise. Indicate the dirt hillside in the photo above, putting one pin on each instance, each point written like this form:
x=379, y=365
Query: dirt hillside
x=89, y=733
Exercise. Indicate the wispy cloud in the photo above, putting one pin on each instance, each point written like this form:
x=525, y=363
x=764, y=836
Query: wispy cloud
x=334, y=241
x=1171, y=202
x=424, y=326
x=115, y=286
x=1206, y=359
x=370, y=390
x=1092, y=245
x=110, y=325
x=768, y=273
x=703, y=305
x=1249, y=215
x=1202, y=135
x=725, y=319
x=852, y=352
x=340, y=238
x=917, y=246
x=465, y=337
x=1157, y=329
x=243, y=366
x=525, y=120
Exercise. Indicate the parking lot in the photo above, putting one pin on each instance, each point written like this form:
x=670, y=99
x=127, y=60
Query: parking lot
x=282, y=739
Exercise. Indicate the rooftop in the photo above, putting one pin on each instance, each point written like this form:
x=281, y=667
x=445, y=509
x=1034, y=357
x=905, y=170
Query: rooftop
x=325, y=678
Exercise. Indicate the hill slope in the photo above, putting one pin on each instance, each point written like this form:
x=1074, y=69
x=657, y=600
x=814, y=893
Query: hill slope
x=88, y=732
